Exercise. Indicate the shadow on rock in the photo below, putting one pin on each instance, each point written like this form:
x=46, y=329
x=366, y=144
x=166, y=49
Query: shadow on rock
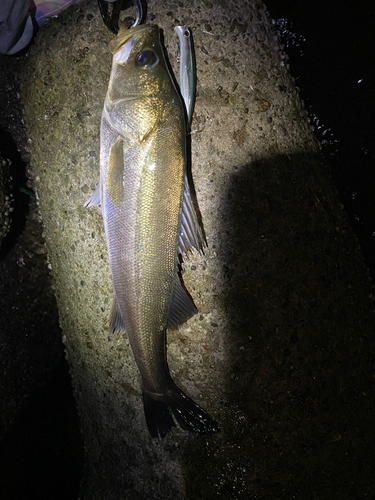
x=296, y=416
x=18, y=192
x=41, y=457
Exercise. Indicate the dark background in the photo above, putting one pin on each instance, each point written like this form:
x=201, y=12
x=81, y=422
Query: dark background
x=331, y=44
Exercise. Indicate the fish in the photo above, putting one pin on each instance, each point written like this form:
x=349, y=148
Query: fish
x=149, y=218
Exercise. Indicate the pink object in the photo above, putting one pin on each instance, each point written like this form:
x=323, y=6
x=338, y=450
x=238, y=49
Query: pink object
x=48, y=8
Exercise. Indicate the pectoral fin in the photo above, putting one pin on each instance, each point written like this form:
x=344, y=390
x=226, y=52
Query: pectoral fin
x=190, y=234
x=115, y=172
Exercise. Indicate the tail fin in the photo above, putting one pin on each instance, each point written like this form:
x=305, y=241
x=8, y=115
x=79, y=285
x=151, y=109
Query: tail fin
x=189, y=415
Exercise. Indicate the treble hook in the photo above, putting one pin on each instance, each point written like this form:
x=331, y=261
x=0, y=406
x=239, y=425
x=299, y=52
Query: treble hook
x=111, y=20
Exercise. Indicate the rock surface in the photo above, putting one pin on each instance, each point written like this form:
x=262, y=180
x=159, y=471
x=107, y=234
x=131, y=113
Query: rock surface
x=37, y=407
x=279, y=352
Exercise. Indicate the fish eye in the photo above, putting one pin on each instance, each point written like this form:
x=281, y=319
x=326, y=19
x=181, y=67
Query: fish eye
x=147, y=59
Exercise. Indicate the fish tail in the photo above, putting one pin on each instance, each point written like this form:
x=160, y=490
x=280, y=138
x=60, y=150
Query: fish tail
x=188, y=415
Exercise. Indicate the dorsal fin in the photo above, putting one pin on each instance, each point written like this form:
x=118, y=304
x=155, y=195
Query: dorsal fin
x=190, y=234
x=181, y=307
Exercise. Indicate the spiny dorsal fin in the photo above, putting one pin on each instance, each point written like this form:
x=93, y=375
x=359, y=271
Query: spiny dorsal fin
x=190, y=234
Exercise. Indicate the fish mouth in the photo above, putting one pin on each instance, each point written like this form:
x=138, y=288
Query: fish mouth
x=125, y=34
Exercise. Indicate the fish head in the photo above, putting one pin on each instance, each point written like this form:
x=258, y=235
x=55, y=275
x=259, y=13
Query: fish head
x=140, y=85
x=138, y=67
